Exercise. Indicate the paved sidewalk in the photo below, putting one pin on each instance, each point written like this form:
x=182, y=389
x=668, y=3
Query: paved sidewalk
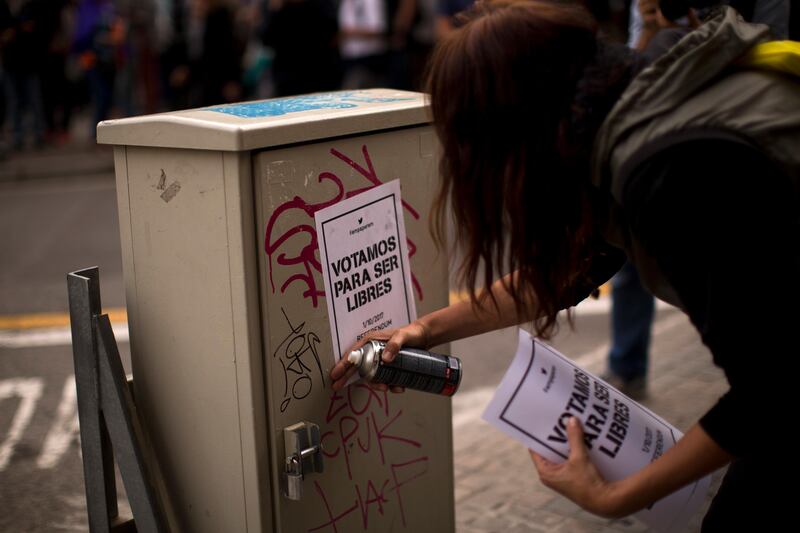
x=497, y=488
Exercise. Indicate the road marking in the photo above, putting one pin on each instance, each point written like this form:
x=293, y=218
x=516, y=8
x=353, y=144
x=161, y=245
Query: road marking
x=50, y=337
x=29, y=390
x=64, y=431
x=468, y=407
x=52, y=320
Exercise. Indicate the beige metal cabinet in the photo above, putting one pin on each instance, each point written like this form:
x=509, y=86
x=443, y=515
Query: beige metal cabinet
x=230, y=341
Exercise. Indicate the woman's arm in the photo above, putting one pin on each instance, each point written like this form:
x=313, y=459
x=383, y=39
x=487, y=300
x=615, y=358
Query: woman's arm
x=692, y=457
x=463, y=319
x=456, y=321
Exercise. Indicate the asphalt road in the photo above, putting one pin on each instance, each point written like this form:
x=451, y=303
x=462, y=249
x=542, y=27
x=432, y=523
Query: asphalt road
x=54, y=225
x=51, y=226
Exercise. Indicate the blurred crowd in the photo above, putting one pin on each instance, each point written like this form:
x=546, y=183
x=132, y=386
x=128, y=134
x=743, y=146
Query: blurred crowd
x=99, y=59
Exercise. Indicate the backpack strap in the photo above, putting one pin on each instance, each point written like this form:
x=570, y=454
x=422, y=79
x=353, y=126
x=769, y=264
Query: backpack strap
x=777, y=56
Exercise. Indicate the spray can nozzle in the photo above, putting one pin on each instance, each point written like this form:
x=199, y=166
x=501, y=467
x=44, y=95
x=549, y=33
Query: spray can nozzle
x=354, y=357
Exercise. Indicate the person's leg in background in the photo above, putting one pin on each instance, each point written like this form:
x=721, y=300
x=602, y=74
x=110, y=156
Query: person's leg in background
x=33, y=92
x=15, y=99
x=632, y=313
x=3, y=107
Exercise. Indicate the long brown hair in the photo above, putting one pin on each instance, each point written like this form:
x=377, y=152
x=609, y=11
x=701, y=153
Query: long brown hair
x=501, y=89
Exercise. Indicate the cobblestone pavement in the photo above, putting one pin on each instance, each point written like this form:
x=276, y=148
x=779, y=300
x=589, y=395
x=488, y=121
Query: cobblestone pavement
x=497, y=488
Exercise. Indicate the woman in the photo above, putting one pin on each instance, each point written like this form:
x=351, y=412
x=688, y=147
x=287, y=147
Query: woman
x=559, y=161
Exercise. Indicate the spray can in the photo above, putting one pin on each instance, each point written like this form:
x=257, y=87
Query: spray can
x=413, y=369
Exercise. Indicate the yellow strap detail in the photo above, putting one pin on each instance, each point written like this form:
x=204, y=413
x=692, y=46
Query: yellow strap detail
x=779, y=56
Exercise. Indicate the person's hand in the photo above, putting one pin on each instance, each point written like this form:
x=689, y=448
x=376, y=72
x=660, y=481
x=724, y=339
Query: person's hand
x=577, y=478
x=413, y=335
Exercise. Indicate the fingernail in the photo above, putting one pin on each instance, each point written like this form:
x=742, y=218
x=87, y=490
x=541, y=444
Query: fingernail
x=573, y=421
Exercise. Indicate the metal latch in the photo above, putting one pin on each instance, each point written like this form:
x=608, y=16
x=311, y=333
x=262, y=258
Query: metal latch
x=303, y=456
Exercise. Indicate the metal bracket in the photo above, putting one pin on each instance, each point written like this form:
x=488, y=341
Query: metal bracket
x=303, y=448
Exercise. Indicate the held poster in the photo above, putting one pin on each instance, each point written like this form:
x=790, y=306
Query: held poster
x=542, y=389
x=364, y=255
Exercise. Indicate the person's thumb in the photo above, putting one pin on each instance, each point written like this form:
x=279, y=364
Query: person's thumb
x=577, y=448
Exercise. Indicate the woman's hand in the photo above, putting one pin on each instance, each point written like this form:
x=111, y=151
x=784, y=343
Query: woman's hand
x=691, y=458
x=577, y=478
x=414, y=335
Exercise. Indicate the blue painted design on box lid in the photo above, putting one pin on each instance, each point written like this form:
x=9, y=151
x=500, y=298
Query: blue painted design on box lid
x=295, y=104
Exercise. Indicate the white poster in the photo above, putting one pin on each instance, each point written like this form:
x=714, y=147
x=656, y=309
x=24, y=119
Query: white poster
x=364, y=257
x=542, y=389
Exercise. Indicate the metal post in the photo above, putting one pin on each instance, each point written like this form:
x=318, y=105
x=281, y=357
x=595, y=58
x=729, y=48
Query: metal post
x=98, y=458
x=108, y=421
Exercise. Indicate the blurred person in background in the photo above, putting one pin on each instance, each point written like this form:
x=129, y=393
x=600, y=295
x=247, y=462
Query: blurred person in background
x=181, y=47
x=422, y=40
x=100, y=45
x=363, y=29
x=57, y=72
x=611, y=16
x=303, y=37
x=5, y=18
x=256, y=58
x=632, y=312
x=23, y=38
x=137, y=87
x=219, y=68
x=402, y=16
x=200, y=55
x=649, y=16
x=446, y=20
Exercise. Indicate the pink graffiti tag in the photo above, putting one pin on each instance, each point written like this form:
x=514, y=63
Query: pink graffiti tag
x=306, y=258
x=399, y=478
x=307, y=255
x=360, y=420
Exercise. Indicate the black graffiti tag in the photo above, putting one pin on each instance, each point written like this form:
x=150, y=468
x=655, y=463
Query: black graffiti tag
x=298, y=354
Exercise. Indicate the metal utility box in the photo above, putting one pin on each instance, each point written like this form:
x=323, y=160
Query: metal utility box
x=230, y=341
